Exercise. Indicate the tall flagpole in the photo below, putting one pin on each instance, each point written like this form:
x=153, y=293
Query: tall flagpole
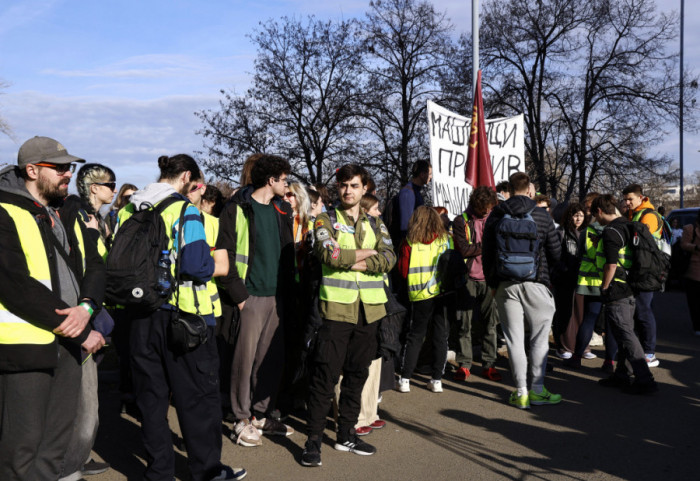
x=681, y=103
x=475, y=42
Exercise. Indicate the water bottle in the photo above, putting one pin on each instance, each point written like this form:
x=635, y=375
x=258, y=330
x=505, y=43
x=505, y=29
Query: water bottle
x=164, y=273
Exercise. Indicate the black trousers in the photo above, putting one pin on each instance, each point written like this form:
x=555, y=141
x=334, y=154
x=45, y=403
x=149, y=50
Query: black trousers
x=692, y=292
x=347, y=348
x=37, y=412
x=193, y=379
x=429, y=312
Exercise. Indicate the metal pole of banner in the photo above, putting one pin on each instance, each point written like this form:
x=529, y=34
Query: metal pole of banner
x=475, y=43
x=680, y=156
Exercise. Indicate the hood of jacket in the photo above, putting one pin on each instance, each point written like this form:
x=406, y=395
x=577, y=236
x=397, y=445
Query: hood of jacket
x=151, y=195
x=12, y=183
x=646, y=204
x=517, y=204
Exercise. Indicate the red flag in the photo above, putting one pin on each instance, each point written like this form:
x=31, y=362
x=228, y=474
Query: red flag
x=478, y=170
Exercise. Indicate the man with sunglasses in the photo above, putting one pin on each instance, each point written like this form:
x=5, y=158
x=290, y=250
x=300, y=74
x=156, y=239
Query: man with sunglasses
x=53, y=284
x=256, y=229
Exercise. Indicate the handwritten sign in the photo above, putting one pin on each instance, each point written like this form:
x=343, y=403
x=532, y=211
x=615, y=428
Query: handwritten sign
x=449, y=135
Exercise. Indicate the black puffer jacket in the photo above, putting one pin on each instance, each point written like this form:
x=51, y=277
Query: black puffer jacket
x=550, y=243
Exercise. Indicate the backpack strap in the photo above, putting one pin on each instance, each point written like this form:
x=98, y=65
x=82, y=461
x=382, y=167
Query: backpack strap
x=180, y=240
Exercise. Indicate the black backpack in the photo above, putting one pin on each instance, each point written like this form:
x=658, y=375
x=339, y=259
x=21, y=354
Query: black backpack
x=132, y=263
x=518, y=246
x=650, y=265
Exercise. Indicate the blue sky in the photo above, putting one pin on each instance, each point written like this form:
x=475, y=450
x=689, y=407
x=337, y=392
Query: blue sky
x=118, y=82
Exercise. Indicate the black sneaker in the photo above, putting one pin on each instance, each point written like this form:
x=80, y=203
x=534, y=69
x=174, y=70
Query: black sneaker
x=93, y=467
x=641, y=388
x=614, y=381
x=356, y=445
x=312, y=452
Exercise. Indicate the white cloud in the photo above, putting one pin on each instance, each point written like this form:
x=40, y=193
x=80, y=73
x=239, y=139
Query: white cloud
x=127, y=135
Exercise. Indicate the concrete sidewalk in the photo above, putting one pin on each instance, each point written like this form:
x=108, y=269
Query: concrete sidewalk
x=470, y=432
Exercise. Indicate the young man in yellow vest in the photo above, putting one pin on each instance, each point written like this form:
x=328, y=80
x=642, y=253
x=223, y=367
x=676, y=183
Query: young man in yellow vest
x=354, y=258
x=256, y=230
x=52, y=284
x=640, y=209
x=618, y=300
x=159, y=368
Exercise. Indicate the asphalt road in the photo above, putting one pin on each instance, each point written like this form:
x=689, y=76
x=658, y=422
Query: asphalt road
x=470, y=432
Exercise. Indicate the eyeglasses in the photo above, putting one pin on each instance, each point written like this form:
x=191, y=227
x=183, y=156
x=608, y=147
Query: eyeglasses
x=289, y=195
x=59, y=168
x=110, y=185
x=279, y=179
x=196, y=188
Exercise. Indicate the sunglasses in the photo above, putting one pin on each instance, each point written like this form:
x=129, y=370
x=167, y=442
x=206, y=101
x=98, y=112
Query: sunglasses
x=59, y=168
x=289, y=195
x=110, y=185
x=196, y=188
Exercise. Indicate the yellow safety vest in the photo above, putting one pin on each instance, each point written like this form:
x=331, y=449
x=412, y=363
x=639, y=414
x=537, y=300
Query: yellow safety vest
x=13, y=329
x=211, y=230
x=638, y=218
x=343, y=286
x=242, y=242
x=188, y=289
x=589, y=274
x=422, y=268
x=624, y=261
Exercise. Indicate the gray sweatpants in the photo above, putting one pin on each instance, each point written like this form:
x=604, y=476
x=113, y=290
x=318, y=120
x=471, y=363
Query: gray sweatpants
x=517, y=303
x=258, y=358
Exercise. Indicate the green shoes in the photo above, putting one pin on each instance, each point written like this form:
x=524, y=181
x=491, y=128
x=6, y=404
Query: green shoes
x=545, y=397
x=520, y=402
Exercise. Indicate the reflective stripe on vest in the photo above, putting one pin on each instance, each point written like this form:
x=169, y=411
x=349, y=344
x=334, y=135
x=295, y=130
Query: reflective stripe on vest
x=211, y=230
x=624, y=261
x=422, y=268
x=343, y=285
x=13, y=329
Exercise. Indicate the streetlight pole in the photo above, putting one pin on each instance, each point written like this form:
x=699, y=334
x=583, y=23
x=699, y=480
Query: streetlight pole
x=681, y=105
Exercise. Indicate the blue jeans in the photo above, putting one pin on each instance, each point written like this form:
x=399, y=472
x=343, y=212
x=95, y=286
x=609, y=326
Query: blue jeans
x=645, y=322
x=591, y=311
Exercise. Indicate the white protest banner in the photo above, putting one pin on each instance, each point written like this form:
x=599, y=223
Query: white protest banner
x=449, y=137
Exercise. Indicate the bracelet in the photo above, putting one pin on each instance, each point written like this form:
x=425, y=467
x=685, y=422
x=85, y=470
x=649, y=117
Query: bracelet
x=87, y=307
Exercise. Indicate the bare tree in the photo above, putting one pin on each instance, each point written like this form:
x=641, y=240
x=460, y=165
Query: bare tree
x=302, y=103
x=4, y=126
x=407, y=44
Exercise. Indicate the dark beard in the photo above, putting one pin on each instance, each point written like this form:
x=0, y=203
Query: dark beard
x=52, y=193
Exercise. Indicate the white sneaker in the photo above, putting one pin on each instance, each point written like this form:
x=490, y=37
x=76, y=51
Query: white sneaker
x=596, y=340
x=403, y=385
x=589, y=355
x=563, y=354
x=435, y=385
x=245, y=434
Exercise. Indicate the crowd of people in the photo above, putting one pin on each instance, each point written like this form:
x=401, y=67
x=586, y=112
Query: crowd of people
x=278, y=299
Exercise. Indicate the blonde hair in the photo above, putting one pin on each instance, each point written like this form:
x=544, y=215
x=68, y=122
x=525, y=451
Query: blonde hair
x=303, y=204
x=425, y=225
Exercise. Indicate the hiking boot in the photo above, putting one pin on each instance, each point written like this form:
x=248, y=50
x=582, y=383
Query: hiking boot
x=462, y=374
x=608, y=366
x=245, y=434
x=355, y=445
x=651, y=360
x=230, y=473
x=435, y=385
x=641, y=388
x=492, y=374
x=543, y=398
x=520, y=402
x=614, y=381
x=312, y=452
x=403, y=385
x=271, y=427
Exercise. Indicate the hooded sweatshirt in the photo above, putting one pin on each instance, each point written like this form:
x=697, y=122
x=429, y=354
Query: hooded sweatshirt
x=550, y=244
x=651, y=219
x=28, y=298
